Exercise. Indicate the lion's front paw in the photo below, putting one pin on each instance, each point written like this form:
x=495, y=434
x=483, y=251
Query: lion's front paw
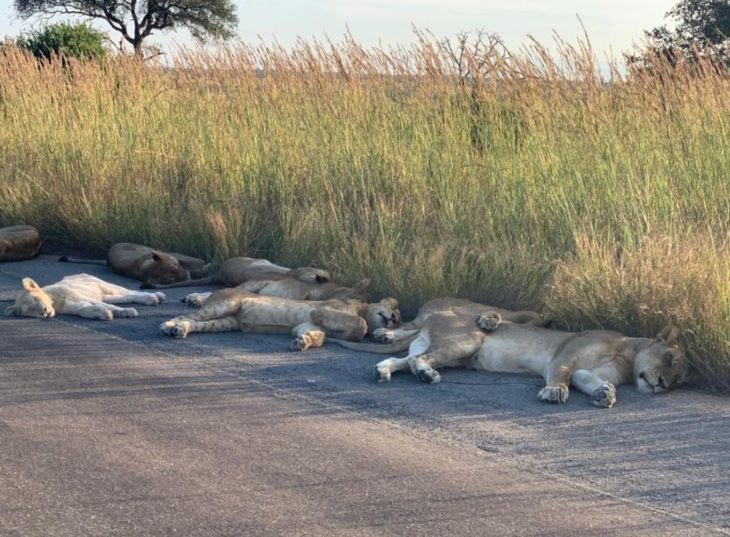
x=605, y=396
x=554, y=394
x=489, y=321
x=383, y=335
x=126, y=312
x=176, y=329
x=301, y=343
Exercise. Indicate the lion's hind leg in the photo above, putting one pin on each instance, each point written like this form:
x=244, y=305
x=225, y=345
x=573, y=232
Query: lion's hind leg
x=391, y=335
x=443, y=354
x=385, y=368
x=96, y=309
x=180, y=327
x=135, y=297
x=195, y=300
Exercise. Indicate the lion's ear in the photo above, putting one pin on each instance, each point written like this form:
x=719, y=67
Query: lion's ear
x=11, y=311
x=156, y=256
x=669, y=335
x=362, y=285
x=30, y=285
x=392, y=302
x=321, y=279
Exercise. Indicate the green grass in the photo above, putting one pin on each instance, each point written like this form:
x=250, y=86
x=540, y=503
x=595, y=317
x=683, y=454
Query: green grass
x=543, y=187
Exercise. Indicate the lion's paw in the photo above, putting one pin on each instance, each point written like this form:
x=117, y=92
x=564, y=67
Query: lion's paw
x=383, y=335
x=605, y=396
x=193, y=300
x=381, y=373
x=155, y=299
x=428, y=374
x=301, y=343
x=554, y=394
x=126, y=312
x=176, y=329
x=489, y=321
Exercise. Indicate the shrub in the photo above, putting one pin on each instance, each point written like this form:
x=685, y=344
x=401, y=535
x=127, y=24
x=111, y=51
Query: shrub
x=76, y=40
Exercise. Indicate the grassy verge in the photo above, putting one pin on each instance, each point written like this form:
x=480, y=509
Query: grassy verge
x=540, y=186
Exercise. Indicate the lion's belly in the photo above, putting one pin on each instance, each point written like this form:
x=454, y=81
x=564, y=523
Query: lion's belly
x=517, y=348
x=505, y=357
x=260, y=311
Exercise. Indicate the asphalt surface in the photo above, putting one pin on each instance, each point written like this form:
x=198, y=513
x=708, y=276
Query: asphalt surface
x=109, y=428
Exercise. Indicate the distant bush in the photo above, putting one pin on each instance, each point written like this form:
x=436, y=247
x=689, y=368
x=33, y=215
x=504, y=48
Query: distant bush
x=76, y=40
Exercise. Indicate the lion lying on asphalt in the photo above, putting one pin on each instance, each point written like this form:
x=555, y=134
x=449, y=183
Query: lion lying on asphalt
x=148, y=264
x=80, y=294
x=19, y=242
x=239, y=270
x=594, y=361
x=294, y=289
x=308, y=321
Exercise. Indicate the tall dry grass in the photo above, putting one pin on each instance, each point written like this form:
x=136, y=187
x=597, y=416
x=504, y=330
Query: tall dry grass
x=531, y=180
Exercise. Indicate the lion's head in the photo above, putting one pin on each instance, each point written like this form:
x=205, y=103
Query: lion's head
x=165, y=269
x=32, y=301
x=662, y=364
x=383, y=314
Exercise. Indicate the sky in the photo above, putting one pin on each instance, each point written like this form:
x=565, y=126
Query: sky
x=612, y=25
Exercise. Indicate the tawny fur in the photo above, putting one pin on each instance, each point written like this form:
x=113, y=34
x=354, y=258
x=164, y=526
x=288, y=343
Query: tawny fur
x=148, y=265
x=18, y=243
x=234, y=309
x=594, y=361
x=238, y=270
x=293, y=289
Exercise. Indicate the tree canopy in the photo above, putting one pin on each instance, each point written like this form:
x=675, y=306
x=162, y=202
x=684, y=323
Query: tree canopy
x=136, y=20
x=701, y=27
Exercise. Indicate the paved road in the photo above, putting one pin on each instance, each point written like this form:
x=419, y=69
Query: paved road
x=108, y=428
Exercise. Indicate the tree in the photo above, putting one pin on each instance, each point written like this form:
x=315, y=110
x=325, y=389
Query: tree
x=77, y=40
x=138, y=19
x=702, y=29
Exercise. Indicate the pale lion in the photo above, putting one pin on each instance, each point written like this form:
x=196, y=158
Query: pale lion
x=19, y=242
x=148, y=264
x=594, y=361
x=80, y=294
x=308, y=321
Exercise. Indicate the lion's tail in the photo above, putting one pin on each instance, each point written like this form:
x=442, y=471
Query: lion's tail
x=67, y=259
x=378, y=348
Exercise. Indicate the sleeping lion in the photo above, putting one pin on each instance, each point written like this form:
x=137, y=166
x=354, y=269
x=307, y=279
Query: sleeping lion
x=594, y=362
x=81, y=294
x=309, y=322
